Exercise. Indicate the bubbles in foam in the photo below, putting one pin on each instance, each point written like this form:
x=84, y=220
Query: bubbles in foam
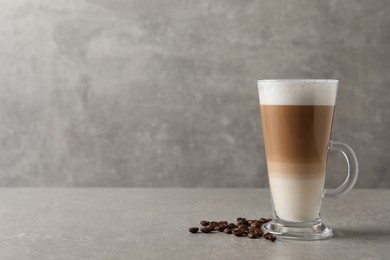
x=297, y=92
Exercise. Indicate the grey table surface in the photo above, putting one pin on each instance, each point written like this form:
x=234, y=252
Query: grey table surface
x=137, y=223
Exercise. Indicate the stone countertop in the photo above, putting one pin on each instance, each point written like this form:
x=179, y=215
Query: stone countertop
x=137, y=223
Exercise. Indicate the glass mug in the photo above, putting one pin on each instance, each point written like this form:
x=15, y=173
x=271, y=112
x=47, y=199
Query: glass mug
x=297, y=118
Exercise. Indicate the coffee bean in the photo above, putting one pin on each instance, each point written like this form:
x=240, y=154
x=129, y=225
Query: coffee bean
x=256, y=224
x=205, y=223
x=243, y=227
x=257, y=231
x=252, y=235
x=240, y=233
x=222, y=228
x=211, y=227
x=239, y=219
x=243, y=221
x=227, y=230
x=205, y=230
x=193, y=229
x=232, y=225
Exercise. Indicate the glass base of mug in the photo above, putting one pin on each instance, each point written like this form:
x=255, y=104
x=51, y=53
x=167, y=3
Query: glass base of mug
x=313, y=230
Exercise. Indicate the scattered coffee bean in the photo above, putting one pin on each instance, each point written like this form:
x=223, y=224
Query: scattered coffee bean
x=268, y=236
x=252, y=235
x=193, y=229
x=243, y=227
x=257, y=231
x=205, y=230
x=211, y=227
x=214, y=223
x=205, y=223
x=227, y=231
x=256, y=224
x=232, y=225
x=243, y=221
x=222, y=228
x=240, y=233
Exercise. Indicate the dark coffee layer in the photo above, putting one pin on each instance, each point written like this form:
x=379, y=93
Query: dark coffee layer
x=297, y=134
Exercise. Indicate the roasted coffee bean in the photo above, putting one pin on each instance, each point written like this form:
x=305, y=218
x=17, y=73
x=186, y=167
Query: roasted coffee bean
x=205, y=230
x=239, y=219
x=240, y=233
x=205, y=223
x=243, y=221
x=232, y=225
x=211, y=227
x=252, y=235
x=255, y=224
x=257, y=231
x=214, y=223
x=227, y=230
x=193, y=229
x=243, y=227
x=222, y=228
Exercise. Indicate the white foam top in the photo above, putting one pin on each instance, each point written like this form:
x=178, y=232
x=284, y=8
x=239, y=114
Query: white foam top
x=298, y=92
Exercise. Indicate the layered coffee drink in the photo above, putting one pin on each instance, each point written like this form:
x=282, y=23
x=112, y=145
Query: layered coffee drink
x=297, y=121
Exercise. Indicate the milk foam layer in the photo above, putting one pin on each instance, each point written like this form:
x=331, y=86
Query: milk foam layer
x=297, y=200
x=297, y=92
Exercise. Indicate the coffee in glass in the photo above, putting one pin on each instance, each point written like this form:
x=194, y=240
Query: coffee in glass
x=297, y=118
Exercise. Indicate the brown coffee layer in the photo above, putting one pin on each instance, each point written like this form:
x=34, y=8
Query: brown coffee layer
x=297, y=134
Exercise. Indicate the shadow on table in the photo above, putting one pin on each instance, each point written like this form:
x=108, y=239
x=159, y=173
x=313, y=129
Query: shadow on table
x=363, y=233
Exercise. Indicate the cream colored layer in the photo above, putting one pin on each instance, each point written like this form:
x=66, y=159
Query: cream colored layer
x=296, y=170
x=296, y=200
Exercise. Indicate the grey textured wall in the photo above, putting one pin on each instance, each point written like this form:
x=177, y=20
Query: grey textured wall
x=163, y=93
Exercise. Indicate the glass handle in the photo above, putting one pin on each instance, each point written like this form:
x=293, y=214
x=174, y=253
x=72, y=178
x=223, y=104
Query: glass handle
x=352, y=174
